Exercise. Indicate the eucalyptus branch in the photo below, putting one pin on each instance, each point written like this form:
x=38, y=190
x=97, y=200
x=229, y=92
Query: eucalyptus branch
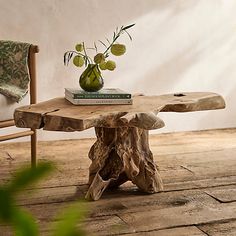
x=103, y=43
x=78, y=53
x=115, y=37
x=95, y=46
x=117, y=34
x=80, y=56
x=68, y=55
x=86, y=57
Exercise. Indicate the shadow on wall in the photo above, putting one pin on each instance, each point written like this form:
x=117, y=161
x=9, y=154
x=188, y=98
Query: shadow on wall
x=164, y=77
x=192, y=63
x=157, y=54
x=101, y=19
x=189, y=65
x=222, y=118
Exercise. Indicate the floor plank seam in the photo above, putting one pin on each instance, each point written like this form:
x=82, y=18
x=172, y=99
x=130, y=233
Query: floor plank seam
x=117, y=215
x=156, y=230
x=46, y=203
x=181, y=226
x=56, y=186
x=222, y=221
x=218, y=200
x=203, y=230
x=218, y=221
x=185, y=168
x=195, y=152
x=179, y=190
x=197, y=187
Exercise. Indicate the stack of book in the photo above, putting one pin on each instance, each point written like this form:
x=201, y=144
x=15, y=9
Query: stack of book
x=104, y=96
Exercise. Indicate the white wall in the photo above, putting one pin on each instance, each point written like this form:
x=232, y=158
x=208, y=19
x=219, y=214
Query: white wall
x=178, y=45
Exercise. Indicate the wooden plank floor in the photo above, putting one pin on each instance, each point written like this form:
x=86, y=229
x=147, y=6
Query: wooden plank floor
x=198, y=170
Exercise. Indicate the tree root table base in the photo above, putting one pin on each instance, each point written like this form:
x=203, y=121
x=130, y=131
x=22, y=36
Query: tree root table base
x=121, y=152
x=119, y=155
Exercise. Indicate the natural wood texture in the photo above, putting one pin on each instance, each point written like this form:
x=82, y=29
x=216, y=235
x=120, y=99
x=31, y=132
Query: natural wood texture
x=33, y=99
x=227, y=228
x=32, y=71
x=119, y=155
x=121, y=152
x=182, y=231
x=6, y=123
x=198, y=171
x=224, y=195
x=16, y=135
x=59, y=114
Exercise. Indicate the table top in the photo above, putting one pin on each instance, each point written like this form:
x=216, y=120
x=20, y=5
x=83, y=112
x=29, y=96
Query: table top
x=60, y=115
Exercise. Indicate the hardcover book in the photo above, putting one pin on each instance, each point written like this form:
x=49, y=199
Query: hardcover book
x=109, y=93
x=100, y=101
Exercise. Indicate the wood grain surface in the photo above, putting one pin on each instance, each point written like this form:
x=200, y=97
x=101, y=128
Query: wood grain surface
x=60, y=115
x=199, y=176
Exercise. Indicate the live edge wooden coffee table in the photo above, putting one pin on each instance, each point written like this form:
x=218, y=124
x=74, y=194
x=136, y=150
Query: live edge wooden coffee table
x=121, y=152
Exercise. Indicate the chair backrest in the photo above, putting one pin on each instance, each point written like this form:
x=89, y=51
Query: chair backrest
x=32, y=71
x=32, y=90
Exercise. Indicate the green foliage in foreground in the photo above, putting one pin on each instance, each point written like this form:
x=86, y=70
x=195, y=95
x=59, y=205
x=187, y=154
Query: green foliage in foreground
x=69, y=218
x=21, y=221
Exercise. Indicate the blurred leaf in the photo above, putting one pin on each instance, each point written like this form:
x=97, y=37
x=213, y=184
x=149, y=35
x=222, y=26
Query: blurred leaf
x=28, y=176
x=6, y=205
x=69, y=219
x=127, y=27
x=24, y=224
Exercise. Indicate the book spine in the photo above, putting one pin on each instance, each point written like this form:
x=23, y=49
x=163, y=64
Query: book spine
x=99, y=101
x=100, y=96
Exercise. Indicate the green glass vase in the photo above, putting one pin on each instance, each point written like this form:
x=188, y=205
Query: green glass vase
x=91, y=79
